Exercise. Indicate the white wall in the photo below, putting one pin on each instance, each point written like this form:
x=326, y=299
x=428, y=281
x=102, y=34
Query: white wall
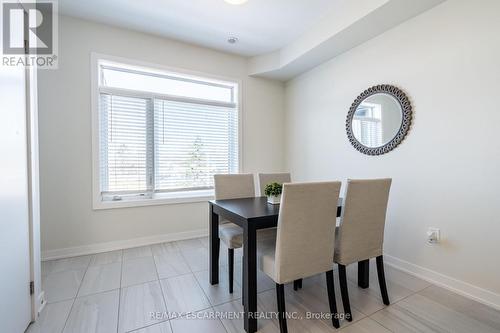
x=68, y=220
x=446, y=173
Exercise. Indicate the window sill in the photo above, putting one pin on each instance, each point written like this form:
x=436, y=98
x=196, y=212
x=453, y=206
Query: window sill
x=158, y=199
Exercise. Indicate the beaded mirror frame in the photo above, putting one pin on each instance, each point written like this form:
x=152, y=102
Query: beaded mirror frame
x=406, y=110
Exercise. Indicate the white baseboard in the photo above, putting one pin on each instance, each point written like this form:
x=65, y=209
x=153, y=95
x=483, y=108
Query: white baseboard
x=41, y=302
x=460, y=287
x=121, y=244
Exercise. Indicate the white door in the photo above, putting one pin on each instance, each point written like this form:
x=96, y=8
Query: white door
x=15, y=299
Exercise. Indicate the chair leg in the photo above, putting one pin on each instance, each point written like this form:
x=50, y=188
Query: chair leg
x=331, y=299
x=297, y=284
x=364, y=273
x=344, y=292
x=230, y=268
x=280, y=295
x=381, y=280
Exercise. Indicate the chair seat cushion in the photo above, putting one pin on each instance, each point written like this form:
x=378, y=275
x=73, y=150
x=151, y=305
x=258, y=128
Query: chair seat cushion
x=232, y=235
x=266, y=236
x=266, y=261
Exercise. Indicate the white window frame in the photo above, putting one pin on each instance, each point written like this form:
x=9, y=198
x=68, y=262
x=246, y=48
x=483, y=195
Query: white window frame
x=162, y=198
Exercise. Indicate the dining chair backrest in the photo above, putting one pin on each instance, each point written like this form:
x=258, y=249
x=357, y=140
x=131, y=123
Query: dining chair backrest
x=306, y=228
x=361, y=230
x=267, y=178
x=234, y=186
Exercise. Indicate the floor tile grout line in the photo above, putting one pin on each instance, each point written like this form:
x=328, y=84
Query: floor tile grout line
x=138, y=284
x=176, y=253
x=204, y=294
x=79, y=287
x=96, y=254
x=381, y=324
x=191, y=249
x=320, y=285
x=355, y=281
x=302, y=307
x=77, y=292
x=197, y=311
x=98, y=293
x=413, y=292
x=102, y=291
x=194, y=274
x=203, y=291
x=120, y=293
x=69, y=312
x=162, y=293
x=369, y=315
x=45, y=262
x=384, y=308
x=187, y=262
x=150, y=325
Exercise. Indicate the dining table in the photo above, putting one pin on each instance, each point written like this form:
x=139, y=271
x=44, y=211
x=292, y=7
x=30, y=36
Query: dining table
x=252, y=214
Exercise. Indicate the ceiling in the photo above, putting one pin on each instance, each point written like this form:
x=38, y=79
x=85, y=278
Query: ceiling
x=261, y=26
x=352, y=23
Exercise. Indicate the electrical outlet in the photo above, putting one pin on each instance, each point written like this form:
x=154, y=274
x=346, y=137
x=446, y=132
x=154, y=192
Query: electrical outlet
x=433, y=235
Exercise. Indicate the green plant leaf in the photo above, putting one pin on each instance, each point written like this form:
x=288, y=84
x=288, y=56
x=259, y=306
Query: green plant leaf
x=273, y=189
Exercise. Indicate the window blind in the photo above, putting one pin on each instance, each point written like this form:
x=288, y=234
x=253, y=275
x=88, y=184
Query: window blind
x=124, y=146
x=369, y=130
x=169, y=135
x=192, y=143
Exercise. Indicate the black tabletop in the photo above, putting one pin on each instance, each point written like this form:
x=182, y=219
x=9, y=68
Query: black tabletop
x=250, y=208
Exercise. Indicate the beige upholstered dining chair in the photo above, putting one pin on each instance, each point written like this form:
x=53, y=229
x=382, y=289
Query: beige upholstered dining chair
x=232, y=187
x=305, y=240
x=281, y=178
x=360, y=235
x=267, y=178
x=235, y=186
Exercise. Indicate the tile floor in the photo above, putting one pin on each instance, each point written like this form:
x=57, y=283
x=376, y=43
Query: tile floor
x=117, y=291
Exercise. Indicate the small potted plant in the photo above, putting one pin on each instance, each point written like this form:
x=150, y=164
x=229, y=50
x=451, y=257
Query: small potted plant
x=273, y=193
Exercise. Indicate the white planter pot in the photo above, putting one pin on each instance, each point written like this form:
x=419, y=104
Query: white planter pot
x=274, y=200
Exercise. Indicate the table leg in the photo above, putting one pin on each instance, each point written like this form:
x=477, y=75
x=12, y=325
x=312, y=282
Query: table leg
x=250, y=279
x=214, y=246
x=364, y=273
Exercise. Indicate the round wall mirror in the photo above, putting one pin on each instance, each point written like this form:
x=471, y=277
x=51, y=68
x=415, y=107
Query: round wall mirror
x=378, y=120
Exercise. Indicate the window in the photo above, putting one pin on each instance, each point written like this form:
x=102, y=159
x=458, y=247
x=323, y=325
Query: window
x=161, y=136
x=367, y=124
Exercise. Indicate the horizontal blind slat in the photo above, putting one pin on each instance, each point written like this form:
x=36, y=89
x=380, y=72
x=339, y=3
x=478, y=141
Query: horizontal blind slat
x=123, y=139
x=192, y=143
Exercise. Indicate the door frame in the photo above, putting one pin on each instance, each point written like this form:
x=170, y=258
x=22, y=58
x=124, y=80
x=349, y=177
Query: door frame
x=32, y=150
x=37, y=297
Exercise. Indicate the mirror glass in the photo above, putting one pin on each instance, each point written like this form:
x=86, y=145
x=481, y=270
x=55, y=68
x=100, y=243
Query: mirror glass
x=377, y=120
